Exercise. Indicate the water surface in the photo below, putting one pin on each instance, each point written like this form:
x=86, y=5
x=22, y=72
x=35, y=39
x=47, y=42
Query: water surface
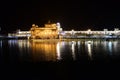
x=81, y=50
x=59, y=60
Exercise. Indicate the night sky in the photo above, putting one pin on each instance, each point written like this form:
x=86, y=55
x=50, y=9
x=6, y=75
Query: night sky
x=77, y=15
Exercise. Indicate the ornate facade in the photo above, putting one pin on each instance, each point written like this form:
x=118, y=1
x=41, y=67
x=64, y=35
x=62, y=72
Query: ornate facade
x=50, y=31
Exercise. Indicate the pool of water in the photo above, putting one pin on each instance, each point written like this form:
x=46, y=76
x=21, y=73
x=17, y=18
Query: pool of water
x=59, y=60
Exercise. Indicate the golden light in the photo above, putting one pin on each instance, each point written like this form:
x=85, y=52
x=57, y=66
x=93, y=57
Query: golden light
x=48, y=30
x=44, y=51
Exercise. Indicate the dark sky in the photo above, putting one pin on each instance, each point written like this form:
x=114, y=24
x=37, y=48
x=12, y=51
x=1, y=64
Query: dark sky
x=78, y=15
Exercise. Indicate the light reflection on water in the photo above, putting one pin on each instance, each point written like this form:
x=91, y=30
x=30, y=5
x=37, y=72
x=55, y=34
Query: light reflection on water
x=0, y=47
x=110, y=47
x=89, y=50
x=73, y=49
x=58, y=51
x=26, y=50
x=0, y=43
x=44, y=51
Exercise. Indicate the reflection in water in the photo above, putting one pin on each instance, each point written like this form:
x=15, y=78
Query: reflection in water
x=115, y=46
x=24, y=47
x=110, y=47
x=0, y=46
x=0, y=43
x=89, y=50
x=73, y=50
x=26, y=50
x=23, y=43
x=44, y=51
x=58, y=51
x=12, y=43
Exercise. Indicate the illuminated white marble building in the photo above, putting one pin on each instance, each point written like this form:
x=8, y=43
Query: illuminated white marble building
x=92, y=34
x=54, y=31
x=20, y=34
